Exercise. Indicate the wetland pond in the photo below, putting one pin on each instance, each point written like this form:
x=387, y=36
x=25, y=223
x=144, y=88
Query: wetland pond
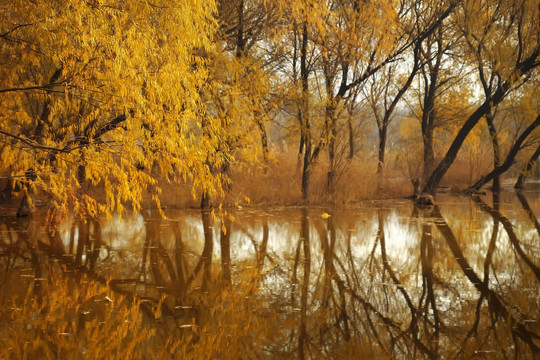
x=380, y=280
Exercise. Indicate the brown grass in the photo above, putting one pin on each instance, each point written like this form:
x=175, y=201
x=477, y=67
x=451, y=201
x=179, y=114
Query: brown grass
x=280, y=182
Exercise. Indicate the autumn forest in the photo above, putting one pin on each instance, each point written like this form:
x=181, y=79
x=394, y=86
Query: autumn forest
x=105, y=104
x=269, y=179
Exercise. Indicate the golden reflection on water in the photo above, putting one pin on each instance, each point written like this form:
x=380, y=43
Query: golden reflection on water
x=381, y=280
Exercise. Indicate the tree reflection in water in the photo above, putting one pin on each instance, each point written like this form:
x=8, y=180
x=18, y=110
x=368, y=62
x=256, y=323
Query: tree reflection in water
x=384, y=281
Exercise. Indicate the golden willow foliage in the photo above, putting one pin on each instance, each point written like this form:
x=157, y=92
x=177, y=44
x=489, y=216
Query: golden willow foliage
x=500, y=34
x=236, y=104
x=105, y=92
x=103, y=100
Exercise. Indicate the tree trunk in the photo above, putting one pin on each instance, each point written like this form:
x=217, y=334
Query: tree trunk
x=429, y=154
x=264, y=143
x=205, y=200
x=206, y=256
x=7, y=192
x=302, y=142
x=496, y=148
x=522, y=68
x=432, y=82
x=527, y=170
x=330, y=113
x=509, y=161
x=433, y=181
x=304, y=116
x=225, y=246
x=46, y=111
x=383, y=131
x=428, y=120
x=240, y=42
x=26, y=207
x=306, y=176
x=351, y=136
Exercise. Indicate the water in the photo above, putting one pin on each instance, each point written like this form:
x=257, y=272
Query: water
x=383, y=279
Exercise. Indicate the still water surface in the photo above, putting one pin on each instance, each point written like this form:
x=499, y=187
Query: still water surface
x=379, y=280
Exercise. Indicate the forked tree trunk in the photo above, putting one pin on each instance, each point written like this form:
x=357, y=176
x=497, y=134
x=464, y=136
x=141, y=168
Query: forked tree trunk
x=436, y=176
x=523, y=67
x=527, y=170
x=509, y=161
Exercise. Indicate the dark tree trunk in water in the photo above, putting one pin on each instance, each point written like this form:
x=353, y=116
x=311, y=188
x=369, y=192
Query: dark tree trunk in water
x=206, y=256
x=427, y=125
x=225, y=246
x=527, y=170
x=304, y=237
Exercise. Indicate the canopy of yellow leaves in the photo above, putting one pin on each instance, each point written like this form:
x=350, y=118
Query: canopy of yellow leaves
x=104, y=91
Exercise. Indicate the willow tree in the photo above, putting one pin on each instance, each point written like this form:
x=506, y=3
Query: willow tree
x=338, y=44
x=504, y=36
x=236, y=92
x=294, y=40
x=383, y=93
x=441, y=97
x=357, y=38
x=523, y=116
x=103, y=95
